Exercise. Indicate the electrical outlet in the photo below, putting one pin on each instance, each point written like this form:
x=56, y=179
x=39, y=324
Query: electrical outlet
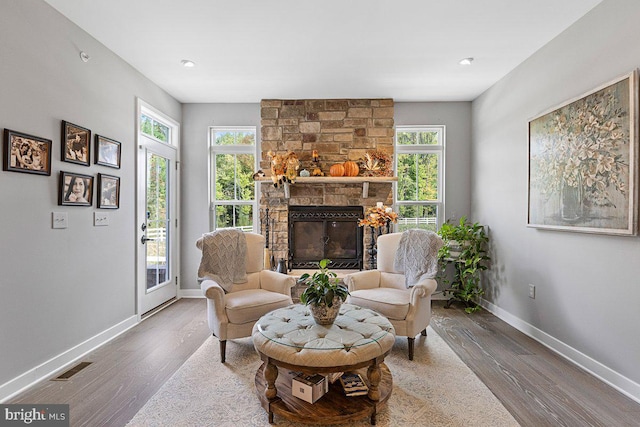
x=532, y=291
x=58, y=220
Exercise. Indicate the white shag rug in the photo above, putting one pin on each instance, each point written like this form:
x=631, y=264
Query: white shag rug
x=435, y=389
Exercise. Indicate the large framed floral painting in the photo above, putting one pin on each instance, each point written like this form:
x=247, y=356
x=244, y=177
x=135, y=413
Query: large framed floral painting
x=583, y=162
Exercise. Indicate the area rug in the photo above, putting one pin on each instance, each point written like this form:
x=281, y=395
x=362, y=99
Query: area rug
x=435, y=389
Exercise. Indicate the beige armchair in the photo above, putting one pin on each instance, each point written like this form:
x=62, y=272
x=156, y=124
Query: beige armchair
x=232, y=315
x=385, y=291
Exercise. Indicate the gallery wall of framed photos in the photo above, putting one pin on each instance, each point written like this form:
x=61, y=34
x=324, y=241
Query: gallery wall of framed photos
x=26, y=153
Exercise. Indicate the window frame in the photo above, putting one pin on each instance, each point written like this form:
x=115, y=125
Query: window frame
x=437, y=149
x=234, y=150
x=146, y=112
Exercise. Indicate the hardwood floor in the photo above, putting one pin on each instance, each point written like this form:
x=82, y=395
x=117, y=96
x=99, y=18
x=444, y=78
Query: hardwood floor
x=127, y=371
x=538, y=387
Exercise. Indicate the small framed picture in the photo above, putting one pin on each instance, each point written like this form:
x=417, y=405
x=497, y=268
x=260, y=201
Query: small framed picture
x=108, y=191
x=76, y=144
x=26, y=153
x=75, y=189
x=107, y=152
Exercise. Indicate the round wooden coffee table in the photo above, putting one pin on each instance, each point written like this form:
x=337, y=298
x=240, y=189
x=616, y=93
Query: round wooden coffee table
x=358, y=341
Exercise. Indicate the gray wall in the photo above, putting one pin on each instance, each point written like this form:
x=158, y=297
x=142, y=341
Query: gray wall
x=194, y=189
x=59, y=288
x=587, y=286
x=456, y=116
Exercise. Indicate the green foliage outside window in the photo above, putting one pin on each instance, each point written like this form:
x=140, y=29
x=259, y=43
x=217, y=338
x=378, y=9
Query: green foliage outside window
x=417, y=216
x=418, y=170
x=156, y=188
x=417, y=138
x=235, y=138
x=153, y=128
x=234, y=180
x=417, y=177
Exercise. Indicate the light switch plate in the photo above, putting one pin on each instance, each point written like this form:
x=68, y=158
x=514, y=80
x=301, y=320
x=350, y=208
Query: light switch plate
x=59, y=220
x=100, y=219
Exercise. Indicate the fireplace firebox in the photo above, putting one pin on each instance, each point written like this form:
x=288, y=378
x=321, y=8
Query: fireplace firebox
x=317, y=232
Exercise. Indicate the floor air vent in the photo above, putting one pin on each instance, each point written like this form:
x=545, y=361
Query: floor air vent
x=71, y=372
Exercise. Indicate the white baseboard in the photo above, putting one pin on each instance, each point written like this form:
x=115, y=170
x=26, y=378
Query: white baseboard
x=621, y=383
x=61, y=361
x=190, y=293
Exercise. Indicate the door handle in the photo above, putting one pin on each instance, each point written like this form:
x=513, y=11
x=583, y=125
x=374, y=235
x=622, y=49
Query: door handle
x=144, y=239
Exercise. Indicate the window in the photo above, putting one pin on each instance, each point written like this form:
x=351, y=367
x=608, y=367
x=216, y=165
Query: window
x=233, y=161
x=419, y=165
x=155, y=129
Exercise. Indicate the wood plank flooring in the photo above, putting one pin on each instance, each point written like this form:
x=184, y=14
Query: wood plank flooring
x=127, y=371
x=538, y=387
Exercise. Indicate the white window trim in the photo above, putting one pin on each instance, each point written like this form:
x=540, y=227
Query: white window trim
x=231, y=149
x=174, y=127
x=438, y=149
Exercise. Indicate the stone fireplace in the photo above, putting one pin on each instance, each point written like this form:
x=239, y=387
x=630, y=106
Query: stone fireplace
x=339, y=130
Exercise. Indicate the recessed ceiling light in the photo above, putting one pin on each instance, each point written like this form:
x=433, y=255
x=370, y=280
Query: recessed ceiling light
x=466, y=61
x=187, y=63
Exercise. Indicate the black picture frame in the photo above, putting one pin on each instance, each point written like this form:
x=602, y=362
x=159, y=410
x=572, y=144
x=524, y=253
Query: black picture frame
x=108, y=192
x=26, y=153
x=67, y=196
x=107, y=152
x=76, y=144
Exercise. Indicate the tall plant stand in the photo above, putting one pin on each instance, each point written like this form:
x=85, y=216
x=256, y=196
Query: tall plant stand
x=372, y=249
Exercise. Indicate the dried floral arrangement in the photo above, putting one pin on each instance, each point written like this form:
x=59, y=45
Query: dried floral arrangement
x=378, y=216
x=376, y=163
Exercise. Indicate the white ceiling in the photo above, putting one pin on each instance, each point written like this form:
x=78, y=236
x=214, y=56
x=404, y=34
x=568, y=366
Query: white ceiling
x=248, y=50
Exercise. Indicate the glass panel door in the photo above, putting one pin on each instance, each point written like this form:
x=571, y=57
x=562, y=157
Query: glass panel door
x=158, y=232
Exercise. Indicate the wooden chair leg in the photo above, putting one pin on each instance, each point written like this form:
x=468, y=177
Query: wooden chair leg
x=411, y=340
x=424, y=332
x=223, y=349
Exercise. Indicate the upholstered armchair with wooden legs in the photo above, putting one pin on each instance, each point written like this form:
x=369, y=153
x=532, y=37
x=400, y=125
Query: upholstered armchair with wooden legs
x=232, y=314
x=385, y=291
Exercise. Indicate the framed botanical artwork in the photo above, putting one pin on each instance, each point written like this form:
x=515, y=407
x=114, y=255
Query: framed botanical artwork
x=107, y=152
x=26, y=153
x=108, y=191
x=583, y=165
x=75, y=189
x=76, y=144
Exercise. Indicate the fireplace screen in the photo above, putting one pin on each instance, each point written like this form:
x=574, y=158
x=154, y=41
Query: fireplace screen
x=317, y=232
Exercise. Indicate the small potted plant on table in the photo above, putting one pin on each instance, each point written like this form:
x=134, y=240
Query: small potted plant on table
x=324, y=294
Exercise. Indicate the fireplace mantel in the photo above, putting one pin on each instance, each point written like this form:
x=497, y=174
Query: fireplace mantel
x=364, y=180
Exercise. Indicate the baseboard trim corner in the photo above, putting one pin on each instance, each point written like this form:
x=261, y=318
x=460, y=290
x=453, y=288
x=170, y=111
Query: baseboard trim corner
x=190, y=293
x=57, y=363
x=624, y=385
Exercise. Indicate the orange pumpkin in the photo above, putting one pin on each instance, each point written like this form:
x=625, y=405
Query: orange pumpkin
x=351, y=168
x=337, y=170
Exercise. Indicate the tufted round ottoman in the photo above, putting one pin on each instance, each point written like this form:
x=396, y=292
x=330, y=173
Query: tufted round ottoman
x=289, y=338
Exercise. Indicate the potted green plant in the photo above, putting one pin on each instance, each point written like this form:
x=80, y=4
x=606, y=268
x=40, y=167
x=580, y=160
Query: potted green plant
x=465, y=245
x=324, y=294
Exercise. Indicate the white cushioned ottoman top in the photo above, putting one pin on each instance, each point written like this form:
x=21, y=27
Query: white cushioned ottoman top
x=291, y=335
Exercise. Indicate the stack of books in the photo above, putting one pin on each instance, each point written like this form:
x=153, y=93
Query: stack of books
x=353, y=384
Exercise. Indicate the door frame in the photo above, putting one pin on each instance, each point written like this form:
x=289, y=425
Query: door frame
x=140, y=276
